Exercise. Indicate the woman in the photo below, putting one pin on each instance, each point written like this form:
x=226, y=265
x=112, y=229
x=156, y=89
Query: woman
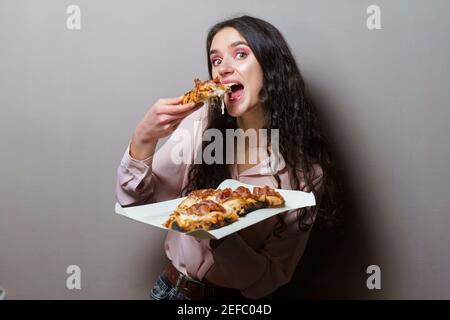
x=255, y=261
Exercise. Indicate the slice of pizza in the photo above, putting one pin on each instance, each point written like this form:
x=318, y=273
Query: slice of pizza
x=205, y=214
x=211, y=91
x=268, y=195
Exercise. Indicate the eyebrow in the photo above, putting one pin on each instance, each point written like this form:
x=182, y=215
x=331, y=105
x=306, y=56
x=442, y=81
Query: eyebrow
x=234, y=44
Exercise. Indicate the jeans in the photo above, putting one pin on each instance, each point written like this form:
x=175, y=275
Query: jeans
x=163, y=290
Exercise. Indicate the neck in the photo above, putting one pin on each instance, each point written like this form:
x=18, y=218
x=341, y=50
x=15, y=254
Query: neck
x=252, y=119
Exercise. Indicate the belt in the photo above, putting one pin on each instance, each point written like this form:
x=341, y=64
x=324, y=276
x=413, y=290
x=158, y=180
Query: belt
x=198, y=290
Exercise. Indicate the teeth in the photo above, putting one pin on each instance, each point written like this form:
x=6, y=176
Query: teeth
x=229, y=85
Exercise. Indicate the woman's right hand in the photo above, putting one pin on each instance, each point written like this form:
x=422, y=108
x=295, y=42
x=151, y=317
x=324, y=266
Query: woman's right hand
x=159, y=122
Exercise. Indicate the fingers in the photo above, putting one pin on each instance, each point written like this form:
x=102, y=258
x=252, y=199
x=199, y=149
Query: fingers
x=172, y=125
x=176, y=100
x=174, y=108
x=184, y=114
x=178, y=108
x=168, y=118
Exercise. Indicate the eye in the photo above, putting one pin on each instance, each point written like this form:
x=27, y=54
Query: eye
x=215, y=61
x=241, y=54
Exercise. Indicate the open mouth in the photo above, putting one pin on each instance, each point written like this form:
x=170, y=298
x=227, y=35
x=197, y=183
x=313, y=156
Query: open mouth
x=236, y=93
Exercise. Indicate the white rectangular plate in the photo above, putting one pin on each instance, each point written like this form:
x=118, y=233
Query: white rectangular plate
x=156, y=214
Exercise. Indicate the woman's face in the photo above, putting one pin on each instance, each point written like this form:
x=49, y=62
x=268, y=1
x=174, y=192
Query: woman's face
x=233, y=61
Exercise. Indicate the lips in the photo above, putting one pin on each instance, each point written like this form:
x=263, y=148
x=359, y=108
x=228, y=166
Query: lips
x=235, y=81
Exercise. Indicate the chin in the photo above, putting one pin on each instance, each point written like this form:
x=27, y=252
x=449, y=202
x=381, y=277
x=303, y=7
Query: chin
x=237, y=110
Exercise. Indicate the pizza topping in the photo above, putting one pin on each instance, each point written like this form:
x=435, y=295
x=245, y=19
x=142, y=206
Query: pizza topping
x=205, y=207
x=265, y=191
x=243, y=192
x=202, y=193
x=224, y=194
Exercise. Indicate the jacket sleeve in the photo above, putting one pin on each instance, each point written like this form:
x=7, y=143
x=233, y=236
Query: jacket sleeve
x=161, y=176
x=257, y=273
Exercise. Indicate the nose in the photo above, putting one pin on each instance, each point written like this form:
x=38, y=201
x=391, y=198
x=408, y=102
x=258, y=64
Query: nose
x=225, y=68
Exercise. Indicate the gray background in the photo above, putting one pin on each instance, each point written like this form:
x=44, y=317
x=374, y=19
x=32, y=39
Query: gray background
x=70, y=101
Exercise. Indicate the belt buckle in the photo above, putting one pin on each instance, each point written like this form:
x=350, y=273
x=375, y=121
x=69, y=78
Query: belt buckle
x=177, y=285
x=187, y=280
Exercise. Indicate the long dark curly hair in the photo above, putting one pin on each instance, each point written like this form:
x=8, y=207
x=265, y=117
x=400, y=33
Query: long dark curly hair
x=287, y=107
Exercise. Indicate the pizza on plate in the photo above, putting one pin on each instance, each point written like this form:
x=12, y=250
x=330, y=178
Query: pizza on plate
x=209, y=209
